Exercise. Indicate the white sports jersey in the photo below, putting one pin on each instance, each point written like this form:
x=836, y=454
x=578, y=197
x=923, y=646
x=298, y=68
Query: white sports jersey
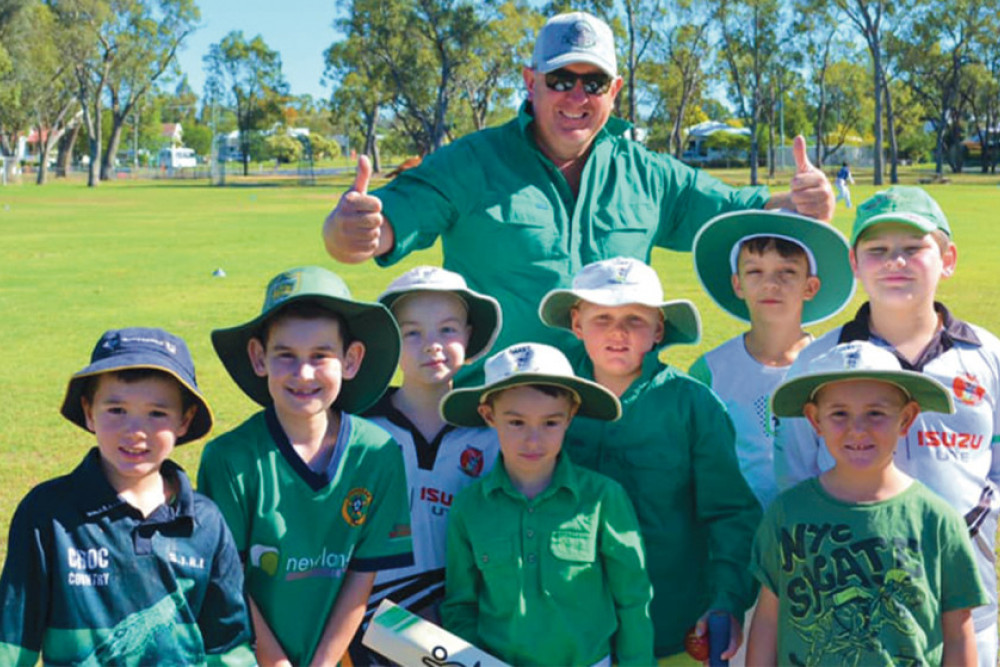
x=435, y=472
x=957, y=456
x=745, y=385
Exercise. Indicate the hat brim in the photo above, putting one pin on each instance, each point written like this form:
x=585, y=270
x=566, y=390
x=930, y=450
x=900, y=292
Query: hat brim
x=681, y=322
x=370, y=323
x=461, y=406
x=790, y=398
x=918, y=222
x=485, y=316
x=715, y=240
x=576, y=58
x=72, y=405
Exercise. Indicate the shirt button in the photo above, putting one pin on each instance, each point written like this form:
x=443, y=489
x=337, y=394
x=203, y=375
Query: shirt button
x=531, y=510
x=486, y=559
x=531, y=558
x=531, y=533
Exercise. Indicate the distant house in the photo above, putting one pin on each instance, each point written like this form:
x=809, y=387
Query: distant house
x=172, y=134
x=697, y=149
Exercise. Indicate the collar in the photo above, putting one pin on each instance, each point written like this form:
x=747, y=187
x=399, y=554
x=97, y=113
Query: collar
x=651, y=366
x=427, y=451
x=97, y=497
x=563, y=477
x=615, y=127
x=953, y=330
x=315, y=480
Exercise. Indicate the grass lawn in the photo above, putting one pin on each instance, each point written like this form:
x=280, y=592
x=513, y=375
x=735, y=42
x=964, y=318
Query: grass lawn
x=75, y=262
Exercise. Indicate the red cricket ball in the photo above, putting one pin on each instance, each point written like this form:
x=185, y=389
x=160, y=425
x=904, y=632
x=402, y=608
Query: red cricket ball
x=697, y=647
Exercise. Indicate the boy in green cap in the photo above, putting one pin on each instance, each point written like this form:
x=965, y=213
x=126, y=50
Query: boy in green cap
x=120, y=562
x=545, y=561
x=672, y=449
x=902, y=248
x=862, y=565
x=315, y=496
x=786, y=272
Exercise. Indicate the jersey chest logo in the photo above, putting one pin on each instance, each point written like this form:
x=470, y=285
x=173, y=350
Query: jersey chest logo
x=355, y=508
x=967, y=390
x=471, y=461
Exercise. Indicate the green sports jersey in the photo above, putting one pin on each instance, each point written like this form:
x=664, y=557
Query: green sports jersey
x=89, y=581
x=299, y=531
x=864, y=583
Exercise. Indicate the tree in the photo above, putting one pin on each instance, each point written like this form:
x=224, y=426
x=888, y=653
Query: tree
x=246, y=76
x=145, y=35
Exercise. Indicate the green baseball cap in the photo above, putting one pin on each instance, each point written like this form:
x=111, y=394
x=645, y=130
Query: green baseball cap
x=717, y=245
x=857, y=360
x=528, y=363
x=905, y=204
x=370, y=323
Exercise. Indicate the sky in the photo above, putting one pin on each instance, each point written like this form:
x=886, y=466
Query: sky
x=300, y=30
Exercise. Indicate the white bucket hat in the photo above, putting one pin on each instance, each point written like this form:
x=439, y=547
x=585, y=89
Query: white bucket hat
x=857, y=360
x=485, y=315
x=528, y=363
x=623, y=281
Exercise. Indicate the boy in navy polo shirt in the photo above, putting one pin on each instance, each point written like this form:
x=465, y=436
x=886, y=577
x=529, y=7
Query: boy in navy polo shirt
x=120, y=562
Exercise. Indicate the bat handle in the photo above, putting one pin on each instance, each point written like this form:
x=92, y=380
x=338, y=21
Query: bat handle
x=718, y=638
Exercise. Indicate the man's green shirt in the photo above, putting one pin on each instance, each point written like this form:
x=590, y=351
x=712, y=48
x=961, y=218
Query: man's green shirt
x=556, y=580
x=510, y=224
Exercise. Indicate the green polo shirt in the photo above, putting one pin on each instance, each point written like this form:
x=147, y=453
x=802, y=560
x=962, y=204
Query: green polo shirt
x=673, y=451
x=509, y=223
x=556, y=580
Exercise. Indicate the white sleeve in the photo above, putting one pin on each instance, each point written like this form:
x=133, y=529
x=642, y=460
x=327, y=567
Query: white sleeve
x=796, y=452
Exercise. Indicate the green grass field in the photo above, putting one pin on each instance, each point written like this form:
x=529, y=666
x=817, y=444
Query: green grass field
x=75, y=262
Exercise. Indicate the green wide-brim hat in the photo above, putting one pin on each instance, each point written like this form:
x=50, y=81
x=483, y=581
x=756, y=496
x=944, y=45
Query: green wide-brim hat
x=528, y=364
x=714, y=244
x=370, y=323
x=856, y=360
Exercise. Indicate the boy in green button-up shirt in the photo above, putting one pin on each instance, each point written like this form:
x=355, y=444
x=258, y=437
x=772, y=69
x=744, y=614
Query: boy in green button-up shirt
x=545, y=562
x=673, y=449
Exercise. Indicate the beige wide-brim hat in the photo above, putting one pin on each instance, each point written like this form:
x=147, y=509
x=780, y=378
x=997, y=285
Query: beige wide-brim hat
x=485, y=316
x=623, y=281
x=528, y=364
x=857, y=360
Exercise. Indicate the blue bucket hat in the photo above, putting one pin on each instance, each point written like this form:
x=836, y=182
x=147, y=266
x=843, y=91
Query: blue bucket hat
x=138, y=348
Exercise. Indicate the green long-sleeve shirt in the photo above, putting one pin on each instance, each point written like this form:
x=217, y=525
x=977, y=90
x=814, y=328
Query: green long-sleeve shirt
x=556, y=580
x=511, y=225
x=673, y=451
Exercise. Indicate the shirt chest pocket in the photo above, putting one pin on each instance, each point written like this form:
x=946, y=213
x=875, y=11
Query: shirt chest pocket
x=519, y=225
x=571, y=564
x=498, y=568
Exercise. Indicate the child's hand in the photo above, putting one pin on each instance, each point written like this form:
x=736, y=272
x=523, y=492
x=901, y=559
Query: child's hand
x=735, y=632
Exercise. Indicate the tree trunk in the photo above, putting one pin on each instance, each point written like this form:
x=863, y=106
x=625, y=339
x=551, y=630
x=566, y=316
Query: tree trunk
x=107, y=162
x=890, y=119
x=371, y=140
x=65, y=157
x=878, y=82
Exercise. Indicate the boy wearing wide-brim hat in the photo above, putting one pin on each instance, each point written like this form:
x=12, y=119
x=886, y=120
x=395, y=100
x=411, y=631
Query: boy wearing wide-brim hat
x=780, y=272
x=314, y=495
x=902, y=247
x=672, y=449
x=545, y=560
x=121, y=561
x=863, y=547
x=444, y=325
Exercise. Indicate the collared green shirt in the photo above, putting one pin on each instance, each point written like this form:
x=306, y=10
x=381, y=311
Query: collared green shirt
x=673, y=451
x=509, y=223
x=556, y=580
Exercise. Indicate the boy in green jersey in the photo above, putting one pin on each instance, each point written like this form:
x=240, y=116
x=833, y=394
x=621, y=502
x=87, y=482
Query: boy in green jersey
x=315, y=496
x=672, y=449
x=862, y=565
x=545, y=562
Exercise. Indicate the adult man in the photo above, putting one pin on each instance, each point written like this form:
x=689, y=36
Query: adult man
x=522, y=207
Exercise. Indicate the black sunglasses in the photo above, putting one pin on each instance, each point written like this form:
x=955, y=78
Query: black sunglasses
x=563, y=80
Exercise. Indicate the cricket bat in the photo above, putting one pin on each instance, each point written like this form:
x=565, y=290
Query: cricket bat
x=411, y=641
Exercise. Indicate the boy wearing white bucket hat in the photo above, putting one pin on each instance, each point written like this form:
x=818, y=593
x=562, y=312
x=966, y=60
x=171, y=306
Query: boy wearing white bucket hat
x=780, y=272
x=901, y=249
x=862, y=565
x=672, y=449
x=443, y=326
x=545, y=561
